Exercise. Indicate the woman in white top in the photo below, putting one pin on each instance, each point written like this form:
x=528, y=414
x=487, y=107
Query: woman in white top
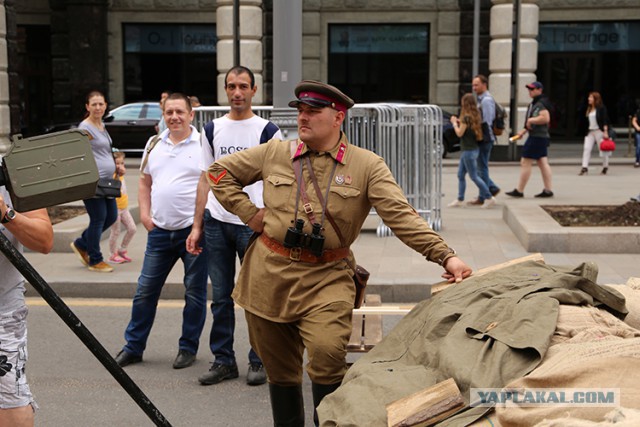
x=595, y=124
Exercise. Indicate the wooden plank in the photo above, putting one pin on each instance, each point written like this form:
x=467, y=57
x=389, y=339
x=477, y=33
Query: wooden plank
x=355, y=341
x=366, y=329
x=425, y=407
x=385, y=309
x=441, y=286
x=372, y=325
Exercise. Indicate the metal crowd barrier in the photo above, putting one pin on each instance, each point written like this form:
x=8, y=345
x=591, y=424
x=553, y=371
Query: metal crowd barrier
x=408, y=137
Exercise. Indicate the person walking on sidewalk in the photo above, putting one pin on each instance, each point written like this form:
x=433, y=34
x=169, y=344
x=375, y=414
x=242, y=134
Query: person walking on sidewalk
x=469, y=130
x=31, y=229
x=595, y=126
x=119, y=253
x=102, y=211
x=167, y=198
x=226, y=235
x=635, y=122
x=535, y=148
x=487, y=106
x=300, y=294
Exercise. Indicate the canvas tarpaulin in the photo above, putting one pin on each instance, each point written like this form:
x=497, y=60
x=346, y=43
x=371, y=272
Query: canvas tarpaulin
x=484, y=332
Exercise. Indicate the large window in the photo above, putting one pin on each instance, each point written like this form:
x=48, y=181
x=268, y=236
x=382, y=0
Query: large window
x=578, y=57
x=180, y=58
x=380, y=62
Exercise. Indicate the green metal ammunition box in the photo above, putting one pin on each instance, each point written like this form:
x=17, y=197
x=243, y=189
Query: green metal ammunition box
x=49, y=170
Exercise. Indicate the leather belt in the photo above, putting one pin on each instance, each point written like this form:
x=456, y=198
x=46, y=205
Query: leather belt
x=304, y=255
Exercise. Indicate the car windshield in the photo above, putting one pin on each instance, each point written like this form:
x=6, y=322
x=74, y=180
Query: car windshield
x=127, y=112
x=153, y=111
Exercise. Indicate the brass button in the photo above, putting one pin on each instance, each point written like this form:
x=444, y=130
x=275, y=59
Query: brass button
x=490, y=326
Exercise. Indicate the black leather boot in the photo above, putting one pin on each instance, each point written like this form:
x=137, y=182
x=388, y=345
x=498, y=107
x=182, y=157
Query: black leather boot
x=319, y=392
x=287, y=405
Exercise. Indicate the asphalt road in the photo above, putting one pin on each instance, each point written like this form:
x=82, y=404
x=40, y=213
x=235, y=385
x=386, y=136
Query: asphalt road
x=72, y=387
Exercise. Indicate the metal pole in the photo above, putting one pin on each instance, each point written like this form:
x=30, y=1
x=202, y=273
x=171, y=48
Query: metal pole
x=87, y=338
x=515, y=63
x=236, y=33
x=476, y=38
x=287, y=62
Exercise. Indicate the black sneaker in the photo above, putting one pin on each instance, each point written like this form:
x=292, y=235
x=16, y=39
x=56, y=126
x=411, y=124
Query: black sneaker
x=219, y=373
x=514, y=193
x=256, y=374
x=184, y=359
x=545, y=193
x=495, y=191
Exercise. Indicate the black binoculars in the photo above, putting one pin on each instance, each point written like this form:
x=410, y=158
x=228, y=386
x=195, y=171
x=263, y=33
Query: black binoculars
x=296, y=238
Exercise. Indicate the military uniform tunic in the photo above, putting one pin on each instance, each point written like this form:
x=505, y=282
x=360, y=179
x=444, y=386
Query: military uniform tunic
x=278, y=288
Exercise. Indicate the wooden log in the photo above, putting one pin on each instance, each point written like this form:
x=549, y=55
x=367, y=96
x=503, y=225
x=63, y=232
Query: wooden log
x=441, y=286
x=426, y=407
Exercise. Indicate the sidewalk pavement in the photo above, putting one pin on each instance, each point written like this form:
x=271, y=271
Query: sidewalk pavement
x=480, y=236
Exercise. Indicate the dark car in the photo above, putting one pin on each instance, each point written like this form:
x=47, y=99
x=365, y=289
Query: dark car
x=130, y=125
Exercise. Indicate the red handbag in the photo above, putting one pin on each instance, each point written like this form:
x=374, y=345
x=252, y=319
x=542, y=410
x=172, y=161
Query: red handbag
x=607, y=144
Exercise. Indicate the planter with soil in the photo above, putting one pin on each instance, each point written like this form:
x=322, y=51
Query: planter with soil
x=576, y=229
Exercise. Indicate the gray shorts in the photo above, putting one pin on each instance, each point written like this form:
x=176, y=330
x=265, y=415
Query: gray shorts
x=14, y=390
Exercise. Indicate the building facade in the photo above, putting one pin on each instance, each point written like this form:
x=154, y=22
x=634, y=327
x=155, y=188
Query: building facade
x=417, y=51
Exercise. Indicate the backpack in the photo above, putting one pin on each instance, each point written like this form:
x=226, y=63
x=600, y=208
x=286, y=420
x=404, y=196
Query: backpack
x=498, y=122
x=150, y=147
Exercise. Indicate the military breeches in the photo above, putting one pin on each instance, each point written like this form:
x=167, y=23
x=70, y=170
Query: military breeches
x=324, y=333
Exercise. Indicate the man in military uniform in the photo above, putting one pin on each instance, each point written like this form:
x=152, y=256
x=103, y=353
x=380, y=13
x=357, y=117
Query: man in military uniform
x=298, y=294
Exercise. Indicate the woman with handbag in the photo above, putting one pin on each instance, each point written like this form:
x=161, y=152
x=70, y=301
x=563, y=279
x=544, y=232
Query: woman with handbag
x=595, y=124
x=102, y=210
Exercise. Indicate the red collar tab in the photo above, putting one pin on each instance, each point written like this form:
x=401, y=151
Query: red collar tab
x=342, y=150
x=299, y=150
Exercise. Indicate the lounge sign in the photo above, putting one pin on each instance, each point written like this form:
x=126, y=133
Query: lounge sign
x=169, y=38
x=589, y=37
x=380, y=38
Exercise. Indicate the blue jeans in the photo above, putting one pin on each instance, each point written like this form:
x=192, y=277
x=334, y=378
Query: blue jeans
x=102, y=214
x=637, y=147
x=483, y=166
x=223, y=241
x=164, y=248
x=469, y=164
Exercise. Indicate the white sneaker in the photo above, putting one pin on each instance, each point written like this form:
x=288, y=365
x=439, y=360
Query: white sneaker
x=488, y=203
x=456, y=204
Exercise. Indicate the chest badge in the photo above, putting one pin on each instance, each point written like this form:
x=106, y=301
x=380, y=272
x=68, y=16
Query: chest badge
x=339, y=179
x=348, y=180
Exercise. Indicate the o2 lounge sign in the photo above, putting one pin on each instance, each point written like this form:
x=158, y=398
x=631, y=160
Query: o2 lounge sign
x=589, y=37
x=170, y=38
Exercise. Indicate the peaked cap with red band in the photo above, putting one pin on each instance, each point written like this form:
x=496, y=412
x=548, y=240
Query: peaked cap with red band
x=320, y=95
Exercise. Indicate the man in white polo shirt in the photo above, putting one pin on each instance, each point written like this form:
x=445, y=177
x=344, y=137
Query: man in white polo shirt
x=167, y=198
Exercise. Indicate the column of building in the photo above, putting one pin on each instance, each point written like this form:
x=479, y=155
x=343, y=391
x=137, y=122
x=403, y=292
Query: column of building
x=500, y=55
x=251, y=51
x=447, y=88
